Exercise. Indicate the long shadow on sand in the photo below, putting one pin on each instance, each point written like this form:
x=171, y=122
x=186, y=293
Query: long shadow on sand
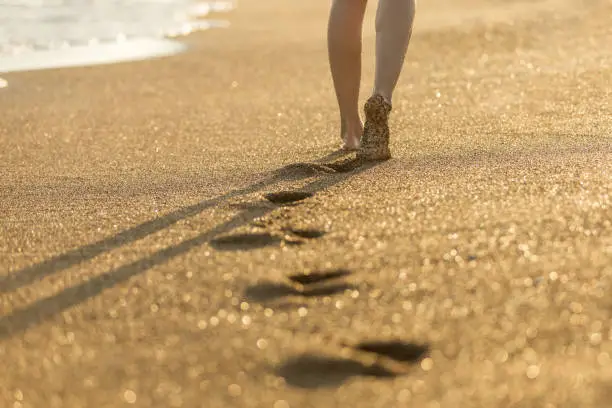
x=44, y=309
x=294, y=171
x=87, y=252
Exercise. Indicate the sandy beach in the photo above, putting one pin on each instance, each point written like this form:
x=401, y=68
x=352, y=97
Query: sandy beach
x=142, y=262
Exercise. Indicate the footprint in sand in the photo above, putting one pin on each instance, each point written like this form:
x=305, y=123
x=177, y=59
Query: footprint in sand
x=396, y=350
x=313, y=371
x=338, y=164
x=287, y=197
x=305, y=285
x=306, y=233
x=319, y=276
x=249, y=241
x=297, y=171
x=297, y=236
x=348, y=165
x=292, y=236
x=239, y=242
x=370, y=359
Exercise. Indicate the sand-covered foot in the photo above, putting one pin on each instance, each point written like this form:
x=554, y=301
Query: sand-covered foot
x=375, y=140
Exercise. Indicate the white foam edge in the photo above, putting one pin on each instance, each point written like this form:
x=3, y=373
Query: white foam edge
x=87, y=55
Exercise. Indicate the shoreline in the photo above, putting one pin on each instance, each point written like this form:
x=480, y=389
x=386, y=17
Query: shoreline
x=120, y=51
x=87, y=56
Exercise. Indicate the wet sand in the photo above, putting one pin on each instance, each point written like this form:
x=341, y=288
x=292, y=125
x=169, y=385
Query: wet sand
x=143, y=263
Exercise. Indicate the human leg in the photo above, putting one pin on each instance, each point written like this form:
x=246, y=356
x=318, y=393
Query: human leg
x=394, y=20
x=344, y=47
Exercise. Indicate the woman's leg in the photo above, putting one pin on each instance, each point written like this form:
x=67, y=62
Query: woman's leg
x=344, y=46
x=394, y=19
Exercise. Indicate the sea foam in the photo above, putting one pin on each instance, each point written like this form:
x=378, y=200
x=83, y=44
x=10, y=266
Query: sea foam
x=41, y=34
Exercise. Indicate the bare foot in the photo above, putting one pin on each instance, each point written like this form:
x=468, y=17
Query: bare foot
x=351, y=135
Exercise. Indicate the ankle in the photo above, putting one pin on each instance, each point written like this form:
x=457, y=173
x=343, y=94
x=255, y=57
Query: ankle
x=386, y=97
x=354, y=127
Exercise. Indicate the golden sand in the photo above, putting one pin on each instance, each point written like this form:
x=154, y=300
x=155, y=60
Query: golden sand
x=475, y=264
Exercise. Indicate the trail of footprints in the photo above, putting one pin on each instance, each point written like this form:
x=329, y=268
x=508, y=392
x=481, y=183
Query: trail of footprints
x=339, y=360
x=290, y=236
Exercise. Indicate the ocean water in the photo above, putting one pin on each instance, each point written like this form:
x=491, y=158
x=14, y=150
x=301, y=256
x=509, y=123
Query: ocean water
x=38, y=34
